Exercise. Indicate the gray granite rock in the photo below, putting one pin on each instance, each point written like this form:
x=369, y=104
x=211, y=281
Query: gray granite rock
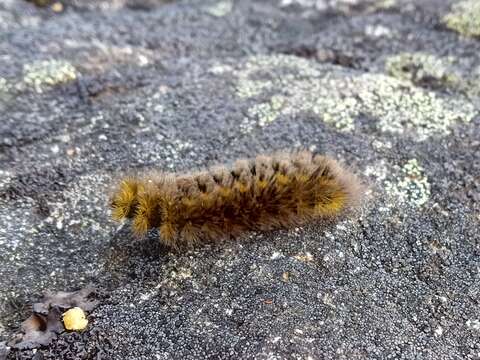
x=390, y=87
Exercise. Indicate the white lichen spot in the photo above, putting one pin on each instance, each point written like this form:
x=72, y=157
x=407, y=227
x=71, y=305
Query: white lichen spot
x=438, y=331
x=173, y=151
x=473, y=324
x=219, y=69
x=328, y=299
x=378, y=170
x=182, y=274
x=220, y=9
x=247, y=125
x=147, y=296
x=4, y=86
x=276, y=339
x=48, y=73
x=5, y=178
x=317, y=4
x=380, y=145
x=276, y=255
x=339, y=97
x=142, y=60
x=413, y=186
x=377, y=31
x=55, y=149
x=159, y=108
x=182, y=145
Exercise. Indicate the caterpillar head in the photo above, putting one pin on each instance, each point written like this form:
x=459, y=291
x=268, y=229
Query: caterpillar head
x=124, y=200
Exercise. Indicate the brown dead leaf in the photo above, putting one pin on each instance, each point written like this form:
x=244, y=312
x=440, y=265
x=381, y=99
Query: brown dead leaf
x=38, y=330
x=46, y=321
x=66, y=300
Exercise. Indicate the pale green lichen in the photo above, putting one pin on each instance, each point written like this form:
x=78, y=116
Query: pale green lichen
x=340, y=96
x=405, y=185
x=378, y=170
x=400, y=106
x=218, y=69
x=464, y=18
x=384, y=4
x=423, y=68
x=6, y=96
x=432, y=71
x=413, y=186
x=220, y=9
x=472, y=85
x=267, y=112
x=344, y=6
x=4, y=86
x=48, y=73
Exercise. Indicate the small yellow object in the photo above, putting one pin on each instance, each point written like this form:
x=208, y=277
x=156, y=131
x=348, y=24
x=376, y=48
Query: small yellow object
x=57, y=7
x=74, y=319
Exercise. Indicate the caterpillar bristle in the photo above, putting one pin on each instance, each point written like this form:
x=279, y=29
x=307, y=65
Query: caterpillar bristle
x=146, y=215
x=264, y=193
x=124, y=201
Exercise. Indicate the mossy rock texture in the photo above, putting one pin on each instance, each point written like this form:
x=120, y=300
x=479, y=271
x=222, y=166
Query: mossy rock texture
x=104, y=88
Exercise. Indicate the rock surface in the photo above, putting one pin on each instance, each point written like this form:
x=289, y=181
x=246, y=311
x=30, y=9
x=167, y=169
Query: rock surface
x=90, y=89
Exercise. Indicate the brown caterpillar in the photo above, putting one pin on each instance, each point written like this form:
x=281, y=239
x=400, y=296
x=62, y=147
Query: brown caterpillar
x=265, y=193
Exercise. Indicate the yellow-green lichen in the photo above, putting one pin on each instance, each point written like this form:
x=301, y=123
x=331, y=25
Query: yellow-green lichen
x=413, y=186
x=340, y=96
x=422, y=68
x=48, y=73
x=431, y=71
x=399, y=106
x=464, y=18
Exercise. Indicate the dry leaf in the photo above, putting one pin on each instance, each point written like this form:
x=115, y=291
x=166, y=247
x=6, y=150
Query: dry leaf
x=38, y=330
x=66, y=300
x=45, y=323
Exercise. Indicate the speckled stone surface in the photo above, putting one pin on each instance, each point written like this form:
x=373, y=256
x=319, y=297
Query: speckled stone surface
x=390, y=87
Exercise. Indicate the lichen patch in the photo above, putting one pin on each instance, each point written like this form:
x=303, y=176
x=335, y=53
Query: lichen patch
x=339, y=97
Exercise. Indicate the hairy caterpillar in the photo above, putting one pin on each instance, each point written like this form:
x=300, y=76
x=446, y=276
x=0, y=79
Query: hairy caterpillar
x=265, y=193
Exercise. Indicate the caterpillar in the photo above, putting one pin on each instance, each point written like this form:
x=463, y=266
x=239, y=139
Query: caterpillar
x=265, y=193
